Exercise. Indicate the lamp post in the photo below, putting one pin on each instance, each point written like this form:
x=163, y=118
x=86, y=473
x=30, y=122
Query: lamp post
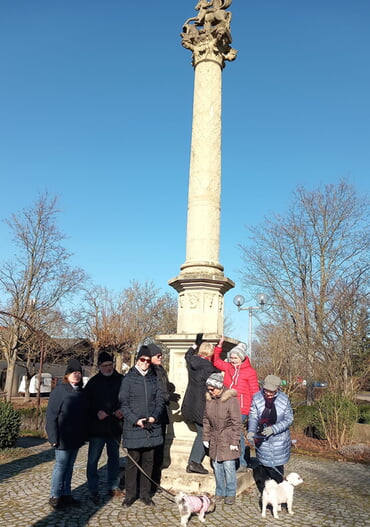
x=239, y=301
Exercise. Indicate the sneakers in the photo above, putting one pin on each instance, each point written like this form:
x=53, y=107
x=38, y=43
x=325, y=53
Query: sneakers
x=116, y=493
x=219, y=498
x=196, y=467
x=229, y=500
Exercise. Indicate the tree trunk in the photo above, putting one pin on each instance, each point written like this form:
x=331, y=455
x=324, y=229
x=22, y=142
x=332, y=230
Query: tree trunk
x=10, y=371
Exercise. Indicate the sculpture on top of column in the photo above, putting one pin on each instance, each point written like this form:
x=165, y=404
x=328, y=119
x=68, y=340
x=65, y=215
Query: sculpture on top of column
x=208, y=35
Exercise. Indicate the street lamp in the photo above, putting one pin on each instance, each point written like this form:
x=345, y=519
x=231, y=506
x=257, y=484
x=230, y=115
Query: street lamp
x=239, y=301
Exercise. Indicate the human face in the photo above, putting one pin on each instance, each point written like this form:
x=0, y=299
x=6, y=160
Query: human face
x=234, y=359
x=74, y=377
x=144, y=362
x=269, y=394
x=157, y=359
x=214, y=392
x=106, y=368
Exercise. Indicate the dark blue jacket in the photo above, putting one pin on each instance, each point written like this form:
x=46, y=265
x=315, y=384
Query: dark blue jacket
x=141, y=397
x=66, y=417
x=102, y=394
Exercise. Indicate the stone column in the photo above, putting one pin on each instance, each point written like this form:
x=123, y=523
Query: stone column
x=201, y=283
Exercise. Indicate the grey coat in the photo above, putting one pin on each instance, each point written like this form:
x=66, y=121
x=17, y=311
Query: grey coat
x=222, y=425
x=275, y=450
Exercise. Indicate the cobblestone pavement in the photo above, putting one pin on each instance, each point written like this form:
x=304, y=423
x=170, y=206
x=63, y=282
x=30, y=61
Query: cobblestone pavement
x=334, y=494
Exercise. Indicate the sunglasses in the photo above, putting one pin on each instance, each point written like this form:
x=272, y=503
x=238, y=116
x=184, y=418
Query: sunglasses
x=142, y=359
x=159, y=356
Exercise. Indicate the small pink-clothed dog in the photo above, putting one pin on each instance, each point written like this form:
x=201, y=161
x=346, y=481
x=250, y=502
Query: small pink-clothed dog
x=189, y=504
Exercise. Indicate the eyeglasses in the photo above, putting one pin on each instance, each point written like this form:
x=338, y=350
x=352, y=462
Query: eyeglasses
x=143, y=359
x=269, y=392
x=211, y=389
x=159, y=356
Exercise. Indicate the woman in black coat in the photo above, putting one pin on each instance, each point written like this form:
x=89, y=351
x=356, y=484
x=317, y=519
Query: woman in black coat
x=199, y=368
x=142, y=406
x=66, y=427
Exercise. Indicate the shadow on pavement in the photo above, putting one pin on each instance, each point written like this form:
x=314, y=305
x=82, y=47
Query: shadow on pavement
x=8, y=470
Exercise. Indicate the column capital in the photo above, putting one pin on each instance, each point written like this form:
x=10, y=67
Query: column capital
x=208, y=34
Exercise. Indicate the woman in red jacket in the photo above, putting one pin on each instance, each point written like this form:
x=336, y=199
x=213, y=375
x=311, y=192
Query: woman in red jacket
x=239, y=375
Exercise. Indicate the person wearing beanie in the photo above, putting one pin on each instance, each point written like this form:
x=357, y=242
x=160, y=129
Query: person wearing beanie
x=105, y=426
x=168, y=390
x=269, y=420
x=240, y=376
x=142, y=405
x=199, y=365
x=221, y=435
x=66, y=425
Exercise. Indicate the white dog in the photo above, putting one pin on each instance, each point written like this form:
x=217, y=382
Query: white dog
x=277, y=493
x=189, y=504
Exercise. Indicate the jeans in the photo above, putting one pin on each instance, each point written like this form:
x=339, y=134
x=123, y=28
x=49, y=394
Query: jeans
x=225, y=474
x=62, y=472
x=96, y=445
x=245, y=451
x=197, y=451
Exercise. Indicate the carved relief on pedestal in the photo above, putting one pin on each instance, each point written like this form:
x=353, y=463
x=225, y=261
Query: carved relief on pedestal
x=208, y=300
x=208, y=35
x=193, y=299
x=181, y=300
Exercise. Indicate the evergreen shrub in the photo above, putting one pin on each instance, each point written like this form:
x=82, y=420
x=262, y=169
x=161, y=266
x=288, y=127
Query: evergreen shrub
x=10, y=424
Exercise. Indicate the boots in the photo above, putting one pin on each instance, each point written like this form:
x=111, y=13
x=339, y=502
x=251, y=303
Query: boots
x=196, y=467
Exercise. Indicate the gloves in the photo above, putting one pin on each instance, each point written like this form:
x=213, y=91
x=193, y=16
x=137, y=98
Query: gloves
x=206, y=444
x=234, y=448
x=148, y=426
x=250, y=437
x=199, y=339
x=268, y=431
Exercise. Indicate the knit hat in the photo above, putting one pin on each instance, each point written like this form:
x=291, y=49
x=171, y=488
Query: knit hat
x=240, y=350
x=73, y=365
x=154, y=350
x=143, y=351
x=104, y=356
x=271, y=383
x=216, y=380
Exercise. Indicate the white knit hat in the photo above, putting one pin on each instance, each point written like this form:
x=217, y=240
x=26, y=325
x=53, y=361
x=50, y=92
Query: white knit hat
x=240, y=350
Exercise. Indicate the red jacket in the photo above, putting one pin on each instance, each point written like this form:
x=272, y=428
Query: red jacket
x=243, y=378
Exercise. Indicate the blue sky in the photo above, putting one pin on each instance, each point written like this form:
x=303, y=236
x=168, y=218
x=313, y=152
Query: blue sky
x=96, y=104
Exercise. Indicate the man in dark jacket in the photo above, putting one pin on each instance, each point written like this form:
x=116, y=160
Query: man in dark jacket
x=105, y=425
x=142, y=405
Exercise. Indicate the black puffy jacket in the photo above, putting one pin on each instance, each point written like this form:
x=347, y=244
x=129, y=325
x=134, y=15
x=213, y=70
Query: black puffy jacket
x=141, y=397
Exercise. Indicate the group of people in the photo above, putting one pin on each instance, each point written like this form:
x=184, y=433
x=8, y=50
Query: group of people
x=222, y=401
x=110, y=407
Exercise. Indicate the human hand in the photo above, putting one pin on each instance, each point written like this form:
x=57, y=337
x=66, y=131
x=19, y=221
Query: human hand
x=102, y=415
x=206, y=444
x=118, y=414
x=234, y=448
x=221, y=341
x=250, y=437
x=268, y=431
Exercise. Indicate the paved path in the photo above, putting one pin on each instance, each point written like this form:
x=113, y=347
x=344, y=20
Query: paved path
x=335, y=494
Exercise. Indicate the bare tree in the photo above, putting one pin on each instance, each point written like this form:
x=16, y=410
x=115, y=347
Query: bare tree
x=119, y=323
x=37, y=279
x=314, y=263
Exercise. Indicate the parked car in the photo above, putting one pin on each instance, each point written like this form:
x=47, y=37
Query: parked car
x=45, y=388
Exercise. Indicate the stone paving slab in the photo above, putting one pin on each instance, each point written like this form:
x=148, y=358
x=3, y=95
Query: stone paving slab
x=335, y=494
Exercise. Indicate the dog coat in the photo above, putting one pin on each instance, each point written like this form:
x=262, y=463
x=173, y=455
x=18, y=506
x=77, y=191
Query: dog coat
x=197, y=503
